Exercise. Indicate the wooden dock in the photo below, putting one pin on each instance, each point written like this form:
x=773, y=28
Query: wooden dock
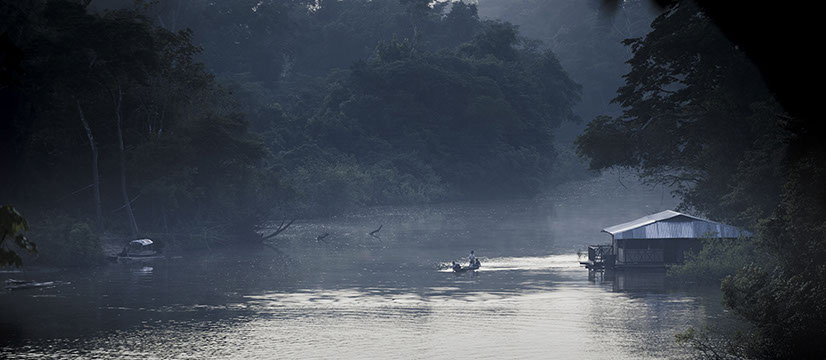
x=600, y=257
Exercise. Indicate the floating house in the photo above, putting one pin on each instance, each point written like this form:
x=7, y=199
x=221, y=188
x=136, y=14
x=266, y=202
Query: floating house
x=657, y=240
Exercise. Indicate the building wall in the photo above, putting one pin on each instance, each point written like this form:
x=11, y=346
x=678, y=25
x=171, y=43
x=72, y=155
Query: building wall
x=654, y=251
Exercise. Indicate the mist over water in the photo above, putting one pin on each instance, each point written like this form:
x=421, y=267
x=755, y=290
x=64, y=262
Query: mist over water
x=352, y=295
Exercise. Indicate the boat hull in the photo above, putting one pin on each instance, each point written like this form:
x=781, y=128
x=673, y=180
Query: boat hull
x=466, y=269
x=136, y=258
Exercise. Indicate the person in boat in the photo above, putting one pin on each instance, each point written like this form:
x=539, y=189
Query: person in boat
x=472, y=258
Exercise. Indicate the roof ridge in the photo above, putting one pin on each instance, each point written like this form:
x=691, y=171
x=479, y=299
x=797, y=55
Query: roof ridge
x=646, y=220
x=655, y=218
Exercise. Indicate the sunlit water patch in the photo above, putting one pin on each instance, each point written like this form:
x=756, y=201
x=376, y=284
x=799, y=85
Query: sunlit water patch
x=556, y=262
x=317, y=300
x=516, y=307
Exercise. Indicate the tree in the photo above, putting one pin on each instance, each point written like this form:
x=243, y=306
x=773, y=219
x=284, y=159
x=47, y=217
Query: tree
x=783, y=298
x=699, y=116
x=777, y=50
x=694, y=108
x=95, y=169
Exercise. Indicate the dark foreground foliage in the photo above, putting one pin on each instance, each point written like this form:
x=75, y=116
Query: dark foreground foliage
x=698, y=116
x=717, y=259
x=12, y=228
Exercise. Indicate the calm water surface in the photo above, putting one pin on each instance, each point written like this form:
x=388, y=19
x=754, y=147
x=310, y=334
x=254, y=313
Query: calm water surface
x=353, y=296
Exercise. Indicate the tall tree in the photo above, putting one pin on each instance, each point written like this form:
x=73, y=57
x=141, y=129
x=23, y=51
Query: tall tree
x=127, y=202
x=95, y=169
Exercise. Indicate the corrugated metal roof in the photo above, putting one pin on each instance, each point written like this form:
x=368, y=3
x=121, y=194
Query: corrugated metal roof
x=673, y=225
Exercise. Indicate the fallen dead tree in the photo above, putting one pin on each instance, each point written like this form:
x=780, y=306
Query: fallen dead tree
x=281, y=227
x=374, y=232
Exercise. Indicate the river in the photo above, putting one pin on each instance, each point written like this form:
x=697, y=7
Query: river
x=351, y=295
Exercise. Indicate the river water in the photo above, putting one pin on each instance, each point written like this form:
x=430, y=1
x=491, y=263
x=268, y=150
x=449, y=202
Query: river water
x=354, y=296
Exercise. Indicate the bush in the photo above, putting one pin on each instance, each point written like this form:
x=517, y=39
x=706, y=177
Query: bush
x=717, y=259
x=65, y=241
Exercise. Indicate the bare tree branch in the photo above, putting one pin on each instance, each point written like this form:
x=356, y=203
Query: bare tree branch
x=281, y=227
x=373, y=233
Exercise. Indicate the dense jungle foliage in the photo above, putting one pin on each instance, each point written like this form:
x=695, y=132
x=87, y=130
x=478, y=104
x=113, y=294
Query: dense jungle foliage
x=697, y=115
x=196, y=124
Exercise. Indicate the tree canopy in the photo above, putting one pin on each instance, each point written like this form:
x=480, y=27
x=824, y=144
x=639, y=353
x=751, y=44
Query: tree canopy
x=480, y=116
x=696, y=115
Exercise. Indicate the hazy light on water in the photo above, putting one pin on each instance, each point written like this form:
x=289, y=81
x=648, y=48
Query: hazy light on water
x=355, y=296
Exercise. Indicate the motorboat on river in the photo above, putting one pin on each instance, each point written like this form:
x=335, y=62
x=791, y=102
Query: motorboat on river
x=139, y=250
x=458, y=268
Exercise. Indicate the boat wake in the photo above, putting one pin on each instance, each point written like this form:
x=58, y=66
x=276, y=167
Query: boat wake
x=538, y=263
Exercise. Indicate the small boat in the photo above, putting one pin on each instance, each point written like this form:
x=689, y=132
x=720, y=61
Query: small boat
x=139, y=250
x=460, y=269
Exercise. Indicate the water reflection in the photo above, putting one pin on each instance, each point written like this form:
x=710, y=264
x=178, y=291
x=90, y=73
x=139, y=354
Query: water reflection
x=631, y=280
x=363, y=300
x=516, y=307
